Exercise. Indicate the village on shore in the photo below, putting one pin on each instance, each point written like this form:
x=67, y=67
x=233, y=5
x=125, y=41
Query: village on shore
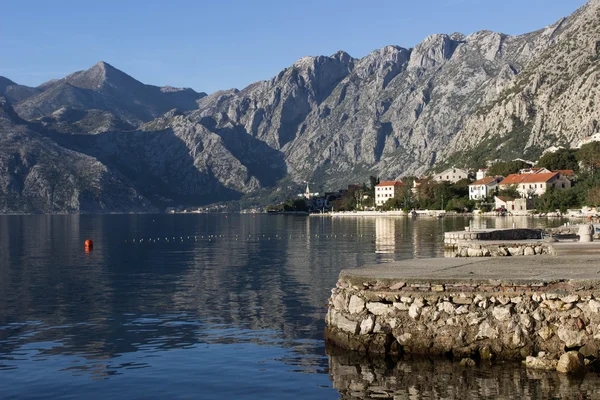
x=562, y=182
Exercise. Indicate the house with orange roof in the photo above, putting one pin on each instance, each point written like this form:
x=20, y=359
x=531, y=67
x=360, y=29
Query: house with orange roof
x=529, y=185
x=386, y=190
x=484, y=187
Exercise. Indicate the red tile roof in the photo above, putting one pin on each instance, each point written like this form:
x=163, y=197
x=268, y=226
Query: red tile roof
x=390, y=183
x=516, y=179
x=484, y=181
x=566, y=172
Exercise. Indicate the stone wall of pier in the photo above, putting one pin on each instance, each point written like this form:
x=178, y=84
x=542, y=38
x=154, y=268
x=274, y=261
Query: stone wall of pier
x=507, y=249
x=485, y=319
x=452, y=238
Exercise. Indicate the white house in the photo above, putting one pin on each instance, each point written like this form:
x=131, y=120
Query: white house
x=482, y=188
x=481, y=173
x=386, y=190
x=452, y=175
x=529, y=185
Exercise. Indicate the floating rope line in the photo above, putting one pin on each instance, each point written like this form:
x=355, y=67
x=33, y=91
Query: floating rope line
x=250, y=237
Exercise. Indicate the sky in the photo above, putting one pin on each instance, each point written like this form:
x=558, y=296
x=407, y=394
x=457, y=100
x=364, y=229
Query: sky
x=221, y=44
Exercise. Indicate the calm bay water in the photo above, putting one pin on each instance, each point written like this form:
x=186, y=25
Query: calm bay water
x=212, y=307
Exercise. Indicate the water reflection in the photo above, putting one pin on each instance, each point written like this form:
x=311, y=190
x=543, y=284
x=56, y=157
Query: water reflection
x=417, y=378
x=229, y=290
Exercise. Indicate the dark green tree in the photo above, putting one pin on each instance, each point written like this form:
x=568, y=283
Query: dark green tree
x=589, y=156
x=561, y=159
x=505, y=168
x=510, y=191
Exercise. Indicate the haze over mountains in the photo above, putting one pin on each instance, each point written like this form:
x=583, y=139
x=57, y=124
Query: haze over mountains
x=101, y=141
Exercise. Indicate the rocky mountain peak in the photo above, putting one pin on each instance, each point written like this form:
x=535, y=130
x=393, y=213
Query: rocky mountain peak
x=432, y=52
x=98, y=76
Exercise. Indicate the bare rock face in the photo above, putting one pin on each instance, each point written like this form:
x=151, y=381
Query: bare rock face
x=550, y=102
x=394, y=112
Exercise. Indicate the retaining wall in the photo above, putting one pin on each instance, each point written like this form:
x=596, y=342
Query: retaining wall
x=465, y=318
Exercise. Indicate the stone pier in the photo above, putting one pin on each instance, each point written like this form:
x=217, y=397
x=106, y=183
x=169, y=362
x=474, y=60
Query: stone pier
x=503, y=308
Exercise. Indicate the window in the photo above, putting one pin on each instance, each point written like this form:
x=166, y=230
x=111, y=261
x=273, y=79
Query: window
x=563, y=185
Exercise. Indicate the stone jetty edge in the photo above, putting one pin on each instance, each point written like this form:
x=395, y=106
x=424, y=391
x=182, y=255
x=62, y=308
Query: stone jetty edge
x=485, y=309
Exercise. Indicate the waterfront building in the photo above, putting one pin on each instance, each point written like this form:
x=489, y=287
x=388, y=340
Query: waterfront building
x=387, y=190
x=529, y=185
x=484, y=187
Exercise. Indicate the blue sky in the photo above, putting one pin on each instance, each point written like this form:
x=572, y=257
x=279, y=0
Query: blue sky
x=220, y=44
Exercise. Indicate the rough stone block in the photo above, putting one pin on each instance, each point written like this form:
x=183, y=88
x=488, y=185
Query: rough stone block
x=446, y=307
x=540, y=363
x=366, y=326
x=414, y=311
x=462, y=300
x=341, y=322
x=502, y=313
x=570, y=363
x=487, y=331
x=594, y=306
x=571, y=338
x=377, y=308
x=339, y=302
x=356, y=305
x=398, y=286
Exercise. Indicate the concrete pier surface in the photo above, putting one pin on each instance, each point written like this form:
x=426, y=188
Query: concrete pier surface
x=469, y=270
x=519, y=308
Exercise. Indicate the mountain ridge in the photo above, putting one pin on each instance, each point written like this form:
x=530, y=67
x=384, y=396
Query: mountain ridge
x=330, y=120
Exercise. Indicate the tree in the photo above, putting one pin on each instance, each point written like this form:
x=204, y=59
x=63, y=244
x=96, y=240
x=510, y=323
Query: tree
x=370, y=191
x=510, y=191
x=394, y=203
x=554, y=200
x=560, y=159
x=589, y=156
x=593, y=197
x=295, y=205
x=505, y=168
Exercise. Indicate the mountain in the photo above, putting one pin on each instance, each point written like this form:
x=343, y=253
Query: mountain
x=331, y=120
x=14, y=92
x=553, y=101
x=38, y=175
x=106, y=88
x=391, y=113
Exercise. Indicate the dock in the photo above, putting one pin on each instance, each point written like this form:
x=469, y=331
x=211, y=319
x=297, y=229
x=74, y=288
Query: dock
x=506, y=308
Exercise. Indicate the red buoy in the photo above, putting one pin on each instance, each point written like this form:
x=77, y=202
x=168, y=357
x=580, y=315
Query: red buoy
x=89, y=245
